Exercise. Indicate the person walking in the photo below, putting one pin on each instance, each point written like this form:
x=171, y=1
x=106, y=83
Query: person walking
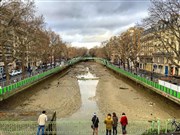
x=109, y=122
x=124, y=122
x=115, y=123
x=95, y=122
x=42, y=121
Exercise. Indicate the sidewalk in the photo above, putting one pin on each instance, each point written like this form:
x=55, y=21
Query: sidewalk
x=153, y=76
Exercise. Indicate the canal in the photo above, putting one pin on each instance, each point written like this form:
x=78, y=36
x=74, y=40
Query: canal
x=87, y=88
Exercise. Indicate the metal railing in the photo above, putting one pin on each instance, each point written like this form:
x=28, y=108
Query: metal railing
x=82, y=127
x=142, y=80
x=12, y=88
x=159, y=88
x=51, y=128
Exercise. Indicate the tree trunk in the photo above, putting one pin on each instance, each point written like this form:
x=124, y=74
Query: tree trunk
x=5, y=65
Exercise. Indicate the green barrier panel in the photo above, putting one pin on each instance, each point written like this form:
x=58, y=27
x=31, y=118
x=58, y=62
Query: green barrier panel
x=4, y=89
x=1, y=91
x=155, y=85
x=151, y=83
x=9, y=88
x=165, y=89
x=30, y=80
x=21, y=83
x=168, y=90
x=171, y=92
x=175, y=93
x=13, y=86
x=161, y=88
x=27, y=81
x=178, y=95
x=17, y=84
x=35, y=77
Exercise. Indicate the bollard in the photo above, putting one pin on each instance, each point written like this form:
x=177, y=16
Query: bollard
x=166, y=126
x=158, y=122
x=1, y=92
x=152, y=125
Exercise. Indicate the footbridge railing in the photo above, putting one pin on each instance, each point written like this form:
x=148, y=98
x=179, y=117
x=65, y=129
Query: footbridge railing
x=83, y=127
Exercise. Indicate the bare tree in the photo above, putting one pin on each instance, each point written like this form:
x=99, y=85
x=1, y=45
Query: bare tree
x=42, y=48
x=135, y=36
x=25, y=35
x=164, y=19
x=11, y=14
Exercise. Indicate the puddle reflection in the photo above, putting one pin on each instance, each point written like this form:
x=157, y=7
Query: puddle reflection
x=87, y=84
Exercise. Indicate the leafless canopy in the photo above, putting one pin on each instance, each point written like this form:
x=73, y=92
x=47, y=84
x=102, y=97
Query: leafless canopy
x=164, y=19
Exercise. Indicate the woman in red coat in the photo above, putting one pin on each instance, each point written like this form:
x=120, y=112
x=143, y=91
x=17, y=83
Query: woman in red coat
x=124, y=122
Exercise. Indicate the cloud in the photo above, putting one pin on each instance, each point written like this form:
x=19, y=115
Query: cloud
x=80, y=21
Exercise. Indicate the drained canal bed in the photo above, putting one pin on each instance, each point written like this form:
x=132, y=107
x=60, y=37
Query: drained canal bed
x=71, y=98
x=88, y=87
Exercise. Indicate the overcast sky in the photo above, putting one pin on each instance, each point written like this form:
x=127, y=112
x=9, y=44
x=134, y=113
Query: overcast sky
x=89, y=22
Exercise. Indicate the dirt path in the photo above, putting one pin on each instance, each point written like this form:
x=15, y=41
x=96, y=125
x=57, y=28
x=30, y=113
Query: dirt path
x=113, y=95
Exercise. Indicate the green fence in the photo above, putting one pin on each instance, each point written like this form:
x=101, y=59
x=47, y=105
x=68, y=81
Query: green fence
x=32, y=79
x=75, y=127
x=142, y=80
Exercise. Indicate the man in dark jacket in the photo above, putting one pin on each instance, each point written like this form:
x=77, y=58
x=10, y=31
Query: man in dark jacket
x=95, y=121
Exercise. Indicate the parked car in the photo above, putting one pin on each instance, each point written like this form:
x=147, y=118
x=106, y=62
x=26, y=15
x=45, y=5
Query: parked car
x=2, y=76
x=19, y=71
x=13, y=73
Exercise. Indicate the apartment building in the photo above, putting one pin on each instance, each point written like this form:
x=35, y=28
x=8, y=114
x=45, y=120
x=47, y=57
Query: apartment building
x=154, y=56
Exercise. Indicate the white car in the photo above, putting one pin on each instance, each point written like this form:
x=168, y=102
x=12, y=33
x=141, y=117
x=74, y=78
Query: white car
x=13, y=73
x=19, y=71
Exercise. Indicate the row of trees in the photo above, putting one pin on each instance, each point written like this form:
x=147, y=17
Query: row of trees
x=163, y=20
x=124, y=47
x=25, y=37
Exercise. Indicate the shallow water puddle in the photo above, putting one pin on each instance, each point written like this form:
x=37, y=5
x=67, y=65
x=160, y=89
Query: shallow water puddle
x=87, y=84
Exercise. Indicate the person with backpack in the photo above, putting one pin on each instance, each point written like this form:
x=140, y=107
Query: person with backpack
x=115, y=123
x=95, y=122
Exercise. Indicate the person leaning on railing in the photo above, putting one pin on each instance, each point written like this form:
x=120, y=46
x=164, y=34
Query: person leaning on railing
x=42, y=121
